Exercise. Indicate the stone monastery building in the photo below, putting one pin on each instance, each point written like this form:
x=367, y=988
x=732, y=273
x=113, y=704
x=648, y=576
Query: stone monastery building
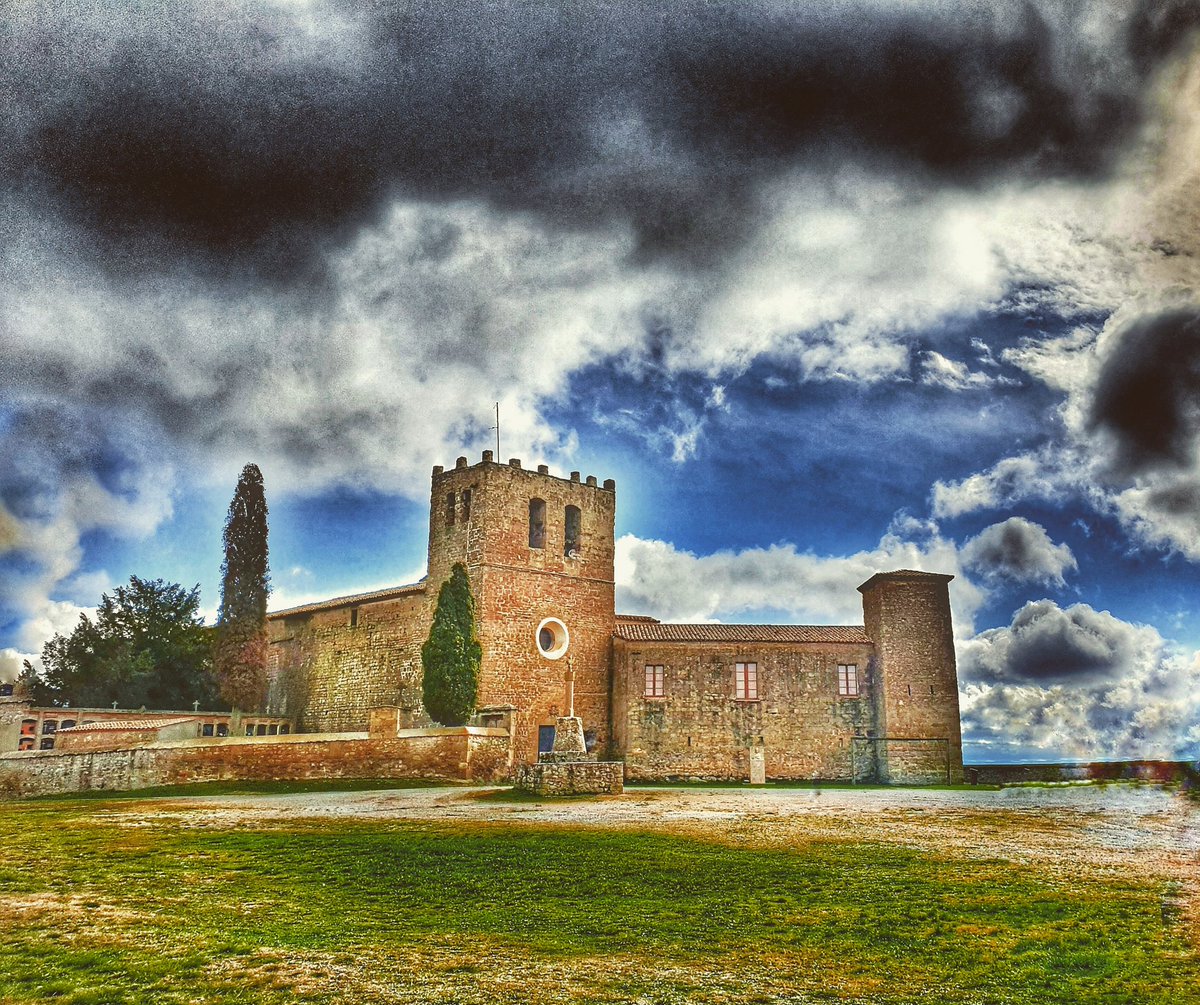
x=877, y=701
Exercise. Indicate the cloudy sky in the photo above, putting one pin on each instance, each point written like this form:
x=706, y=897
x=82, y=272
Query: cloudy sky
x=828, y=288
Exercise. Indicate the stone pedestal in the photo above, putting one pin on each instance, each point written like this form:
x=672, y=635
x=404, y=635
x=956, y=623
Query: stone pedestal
x=569, y=743
x=568, y=769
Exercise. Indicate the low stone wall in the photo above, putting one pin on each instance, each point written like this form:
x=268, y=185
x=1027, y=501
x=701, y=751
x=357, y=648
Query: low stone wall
x=1184, y=772
x=465, y=753
x=572, y=778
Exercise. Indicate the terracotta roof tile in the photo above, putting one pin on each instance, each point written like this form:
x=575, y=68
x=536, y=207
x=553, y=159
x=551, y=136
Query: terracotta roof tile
x=355, y=598
x=638, y=617
x=637, y=631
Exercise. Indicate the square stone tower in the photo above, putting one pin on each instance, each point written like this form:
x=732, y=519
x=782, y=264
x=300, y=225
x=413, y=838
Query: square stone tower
x=907, y=616
x=539, y=554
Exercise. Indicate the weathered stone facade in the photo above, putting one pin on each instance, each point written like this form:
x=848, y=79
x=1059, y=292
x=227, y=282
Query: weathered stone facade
x=331, y=663
x=878, y=701
x=518, y=585
x=699, y=728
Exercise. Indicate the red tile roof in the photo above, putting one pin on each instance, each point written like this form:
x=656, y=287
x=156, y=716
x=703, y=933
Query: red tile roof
x=638, y=631
x=638, y=617
x=127, y=724
x=355, y=598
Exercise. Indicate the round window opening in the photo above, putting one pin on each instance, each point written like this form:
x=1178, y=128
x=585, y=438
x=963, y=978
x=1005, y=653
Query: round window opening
x=552, y=638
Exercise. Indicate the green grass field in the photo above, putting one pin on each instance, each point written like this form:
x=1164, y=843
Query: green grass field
x=97, y=906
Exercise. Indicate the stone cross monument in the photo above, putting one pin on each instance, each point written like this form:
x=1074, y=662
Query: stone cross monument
x=569, y=744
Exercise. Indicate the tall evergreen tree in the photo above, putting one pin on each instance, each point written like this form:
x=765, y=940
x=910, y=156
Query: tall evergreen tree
x=451, y=655
x=241, y=649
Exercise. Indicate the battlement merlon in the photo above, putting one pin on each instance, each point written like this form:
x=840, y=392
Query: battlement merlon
x=514, y=464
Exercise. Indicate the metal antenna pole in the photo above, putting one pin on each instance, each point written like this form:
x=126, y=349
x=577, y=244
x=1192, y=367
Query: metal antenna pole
x=497, y=428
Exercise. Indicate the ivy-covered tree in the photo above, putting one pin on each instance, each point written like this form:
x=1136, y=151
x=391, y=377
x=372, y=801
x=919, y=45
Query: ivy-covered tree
x=147, y=646
x=450, y=656
x=241, y=647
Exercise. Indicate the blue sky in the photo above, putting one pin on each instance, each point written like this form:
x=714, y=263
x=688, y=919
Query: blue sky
x=827, y=290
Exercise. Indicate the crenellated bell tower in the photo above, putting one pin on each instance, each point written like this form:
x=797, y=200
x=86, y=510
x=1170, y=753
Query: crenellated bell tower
x=539, y=553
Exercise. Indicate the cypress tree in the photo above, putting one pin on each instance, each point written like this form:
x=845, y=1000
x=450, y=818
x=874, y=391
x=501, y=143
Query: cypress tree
x=241, y=649
x=451, y=655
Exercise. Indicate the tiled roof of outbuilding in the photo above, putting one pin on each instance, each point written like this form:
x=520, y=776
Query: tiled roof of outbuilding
x=127, y=724
x=639, y=631
x=349, y=601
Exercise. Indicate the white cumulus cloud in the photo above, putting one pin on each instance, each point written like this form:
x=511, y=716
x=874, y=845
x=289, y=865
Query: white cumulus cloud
x=656, y=578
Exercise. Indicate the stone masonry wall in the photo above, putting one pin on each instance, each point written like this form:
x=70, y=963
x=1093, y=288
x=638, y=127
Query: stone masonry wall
x=698, y=729
x=12, y=712
x=571, y=778
x=338, y=670
x=123, y=739
x=467, y=753
x=904, y=762
x=919, y=762
x=516, y=586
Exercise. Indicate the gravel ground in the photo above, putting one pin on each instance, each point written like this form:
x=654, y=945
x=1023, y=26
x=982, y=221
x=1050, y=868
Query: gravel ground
x=1142, y=828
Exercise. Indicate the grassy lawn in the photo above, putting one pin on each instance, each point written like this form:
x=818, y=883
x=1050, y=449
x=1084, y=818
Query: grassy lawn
x=95, y=910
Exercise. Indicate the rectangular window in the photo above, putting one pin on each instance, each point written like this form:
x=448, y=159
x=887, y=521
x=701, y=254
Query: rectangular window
x=848, y=680
x=466, y=505
x=353, y=617
x=654, y=680
x=449, y=509
x=745, y=681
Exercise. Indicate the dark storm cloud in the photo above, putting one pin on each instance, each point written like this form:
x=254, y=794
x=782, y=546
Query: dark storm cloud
x=1046, y=645
x=234, y=141
x=1018, y=550
x=1148, y=394
x=1080, y=682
